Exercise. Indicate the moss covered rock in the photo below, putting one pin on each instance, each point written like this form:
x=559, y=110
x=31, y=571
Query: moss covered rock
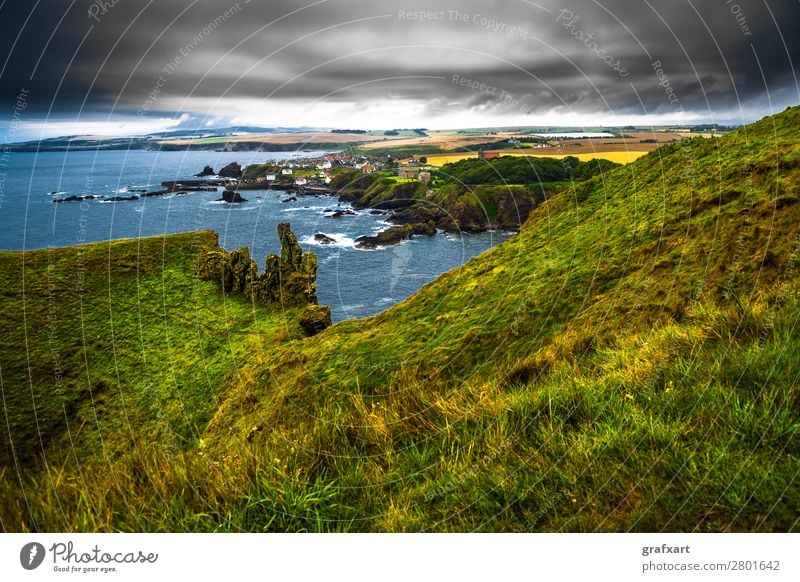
x=289, y=280
x=425, y=228
x=315, y=318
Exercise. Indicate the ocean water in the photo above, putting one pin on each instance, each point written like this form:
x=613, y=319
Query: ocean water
x=355, y=283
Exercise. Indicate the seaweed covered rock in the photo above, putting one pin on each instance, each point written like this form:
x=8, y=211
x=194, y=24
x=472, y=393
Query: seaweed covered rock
x=315, y=318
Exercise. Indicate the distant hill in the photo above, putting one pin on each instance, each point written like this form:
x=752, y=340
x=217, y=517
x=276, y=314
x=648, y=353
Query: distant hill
x=628, y=361
x=149, y=141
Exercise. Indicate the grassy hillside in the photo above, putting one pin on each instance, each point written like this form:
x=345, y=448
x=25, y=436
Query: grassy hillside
x=110, y=350
x=629, y=361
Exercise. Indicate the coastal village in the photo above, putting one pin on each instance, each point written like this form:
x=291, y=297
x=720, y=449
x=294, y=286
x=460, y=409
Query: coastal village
x=318, y=173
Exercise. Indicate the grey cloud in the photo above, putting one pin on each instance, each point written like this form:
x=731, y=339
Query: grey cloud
x=712, y=62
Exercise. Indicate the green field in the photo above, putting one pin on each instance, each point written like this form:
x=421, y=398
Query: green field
x=628, y=362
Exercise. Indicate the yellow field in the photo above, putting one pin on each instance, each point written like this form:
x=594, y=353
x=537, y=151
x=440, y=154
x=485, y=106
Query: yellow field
x=618, y=157
x=442, y=159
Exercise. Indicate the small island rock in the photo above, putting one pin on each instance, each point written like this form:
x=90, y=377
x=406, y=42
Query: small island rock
x=231, y=196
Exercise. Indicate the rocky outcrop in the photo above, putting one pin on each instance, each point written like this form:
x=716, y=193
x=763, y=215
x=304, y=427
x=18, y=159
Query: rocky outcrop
x=77, y=198
x=424, y=213
x=391, y=236
x=425, y=228
x=376, y=191
x=231, y=196
x=315, y=318
x=232, y=170
x=339, y=213
x=420, y=212
x=207, y=171
x=122, y=198
x=324, y=239
x=289, y=280
x=458, y=209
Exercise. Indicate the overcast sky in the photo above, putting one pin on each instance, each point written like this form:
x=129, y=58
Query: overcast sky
x=136, y=66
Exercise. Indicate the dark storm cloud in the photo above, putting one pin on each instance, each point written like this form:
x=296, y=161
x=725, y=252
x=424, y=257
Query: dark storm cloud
x=579, y=55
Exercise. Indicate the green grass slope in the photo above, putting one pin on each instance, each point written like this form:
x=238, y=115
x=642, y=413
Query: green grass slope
x=629, y=361
x=110, y=350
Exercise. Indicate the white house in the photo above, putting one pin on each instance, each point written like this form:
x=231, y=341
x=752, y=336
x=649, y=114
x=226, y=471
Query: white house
x=286, y=171
x=270, y=177
x=300, y=182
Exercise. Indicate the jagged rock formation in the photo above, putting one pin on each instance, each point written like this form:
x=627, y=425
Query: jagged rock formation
x=289, y=280
x=207, y=171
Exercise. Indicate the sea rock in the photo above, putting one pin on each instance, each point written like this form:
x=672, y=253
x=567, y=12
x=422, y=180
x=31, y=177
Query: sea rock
x=122, y=198
x=315, y=318
x=207, y=171
x=231, y=196
x=391, y=236
x=232, y=170
x=340, y=213
x=324, y=239
x=78, y=198
x=290, y=199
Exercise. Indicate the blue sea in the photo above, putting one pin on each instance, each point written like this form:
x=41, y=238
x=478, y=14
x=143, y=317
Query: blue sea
x=355, y=283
